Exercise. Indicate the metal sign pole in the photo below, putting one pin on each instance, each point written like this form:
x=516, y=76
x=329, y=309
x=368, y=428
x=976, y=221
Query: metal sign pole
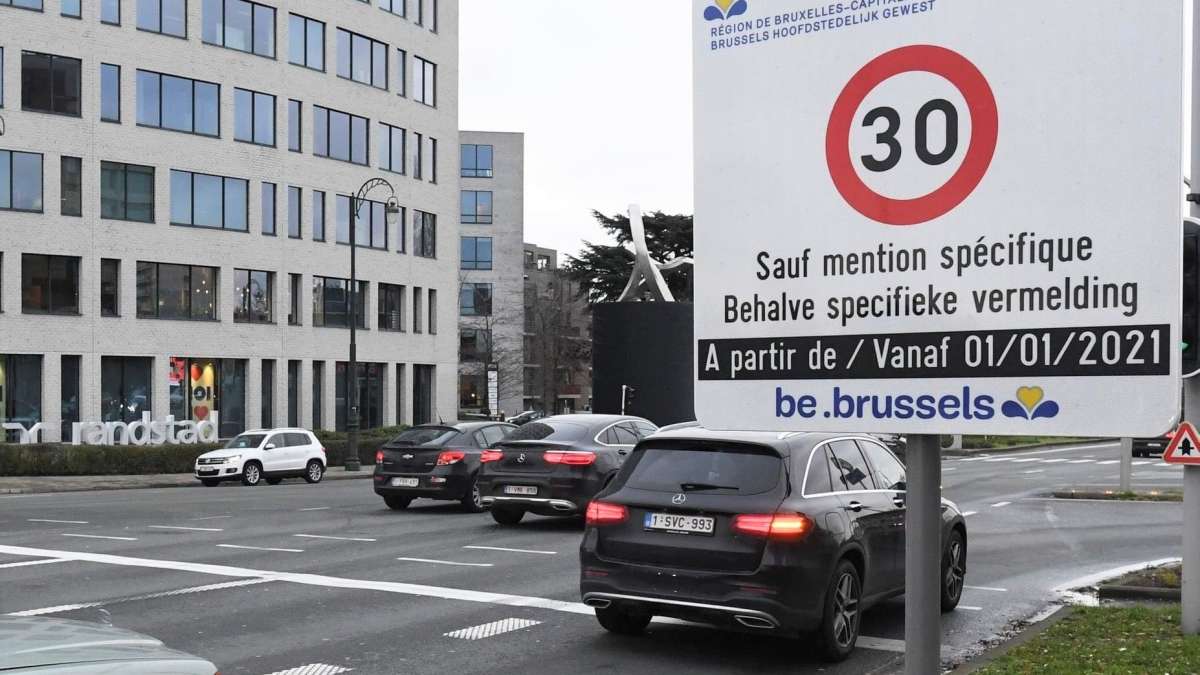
x=1191, y=389
x=923, y=557
x=1126, y=464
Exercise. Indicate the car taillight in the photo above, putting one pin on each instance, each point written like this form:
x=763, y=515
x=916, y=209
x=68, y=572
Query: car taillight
x=570, y=458
x=491, y=456
x=604, y=513
x=379, y=457
x=451, y=457
x=779, y=526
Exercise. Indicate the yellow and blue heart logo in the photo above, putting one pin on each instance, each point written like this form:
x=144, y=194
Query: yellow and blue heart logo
x=721, y=10
x=1030, y=404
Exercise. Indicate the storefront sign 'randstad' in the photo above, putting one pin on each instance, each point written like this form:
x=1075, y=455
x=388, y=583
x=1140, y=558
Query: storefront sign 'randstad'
x=146, y=431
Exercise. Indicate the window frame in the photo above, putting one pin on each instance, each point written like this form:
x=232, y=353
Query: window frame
x=125, y=197
x=386, y=134
x=216, y=317
x=103, y=66
x=491, y=170
x=193, y=131
x=371, y=44
x=306, y=21
x=475, y=260
x=274, y=55
x=62, y=9
x=107, y=22
x=295, y=289
x=369, y=206
x=243, y=301
x=224, y=189
x=159, y=31
x=51, y=310
x=12, y=181
x=387, y=293
x=320, y=111
x=318, y=215
x=106, y=263
x=475, y=218
x=296, y=126
x=473, y=287
x=428, y=86
x=424, y=234
x=254, y=105
x=295, y=208
x=363, y=288
x=62, y=191
x=54, y=97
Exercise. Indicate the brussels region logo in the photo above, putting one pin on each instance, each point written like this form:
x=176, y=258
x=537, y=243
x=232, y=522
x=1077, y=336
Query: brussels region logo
x=725, y=9
x=1031, y=404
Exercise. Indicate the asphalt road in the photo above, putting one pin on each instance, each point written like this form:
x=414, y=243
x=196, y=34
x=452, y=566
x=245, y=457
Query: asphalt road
x=276, y=579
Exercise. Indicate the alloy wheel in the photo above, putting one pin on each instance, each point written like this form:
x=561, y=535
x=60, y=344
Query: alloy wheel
x=955, y=574
x=845, y=611
x=314, y=472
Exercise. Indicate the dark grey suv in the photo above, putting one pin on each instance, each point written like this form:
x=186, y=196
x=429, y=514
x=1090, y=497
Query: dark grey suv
x=790, y=533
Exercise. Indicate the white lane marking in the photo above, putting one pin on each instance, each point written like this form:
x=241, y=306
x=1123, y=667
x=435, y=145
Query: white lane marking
x=28, y=563
x=987, y=588
x=149, y=596
x=186, y=529
x=949, y=468
x=510, y=550
x=970, y=608
x=1162, y=464
x=445, y=562
x=318, y=508
x=1142, y=463
x=98, y=536
x=1036, y=471
x=212, y=518
x=318, y=536
x=973, y=459
x=492, y=629
x=313, y=669
x=881, y=644
x=969, y=513
x=1109, y=461
x=1028, y=459
x=1081, y=461
x=1054, y=461
x=999, y=459
x=61, y=522
x=258, y=548
x=1000, y=505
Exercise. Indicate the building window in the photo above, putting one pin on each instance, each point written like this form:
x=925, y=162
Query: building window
x=69, y=8
x=199, y=389
x=293, y=394
x=126, y=192
x=306, y=42
x=401, y=72
x=110, y=92
x=432, y=155
x=294, y=285
x=400, y=393
x=424, y=81
x=253, y=291
x=241, y=25
x=22, y=402
x=424, y=234
x=474, y=345
x=178, y=104
x=49, y=284
x=476, y=207
x=340, y=135
x=69, y=400
x=392, y=141
x=318, y=215
x=370, y=395
x=50, y=83
x=370, y=229
x=331, y=303
x=476, y=161
x=268, y=209
x=419, y=157
x=475, y=300
x=433, y=306
x=391, y=307
x=110, y=12
x=427, y=14
x=295, y=194
x=110, y=287
x=168, y=17
x=203, y=200
x=71, y=186
x=295, y=118
x=397, y=7
x=418, y=311
x=23, y=4
x=20, y=181
x=253, y=117
x=180, y=292
x=1, y=77
x=476, y=253
x=268, y=393
x=362, y=59
x=318, y=398
x=125, y=388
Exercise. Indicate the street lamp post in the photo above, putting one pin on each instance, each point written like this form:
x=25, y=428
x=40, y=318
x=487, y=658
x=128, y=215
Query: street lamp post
x=391, y=210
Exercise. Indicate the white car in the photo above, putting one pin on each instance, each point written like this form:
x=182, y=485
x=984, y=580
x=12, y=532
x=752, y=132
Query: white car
x=264, y=454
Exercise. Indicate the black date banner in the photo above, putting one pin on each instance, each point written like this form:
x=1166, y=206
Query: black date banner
x=1103, y=351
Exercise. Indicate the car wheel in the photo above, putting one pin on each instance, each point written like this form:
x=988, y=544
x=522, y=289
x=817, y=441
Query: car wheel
x=251, y=474
x=840, y=622
x=209, y=482
x=274, y=481
x=507, y=516
x=472, y=502
x=314, y=472
x=954, y=571
x=397, y=503
x=622, y=622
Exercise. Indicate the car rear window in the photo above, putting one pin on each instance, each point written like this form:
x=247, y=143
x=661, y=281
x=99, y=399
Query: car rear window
x=710, y=469
x=425, y=436
x=563, y=432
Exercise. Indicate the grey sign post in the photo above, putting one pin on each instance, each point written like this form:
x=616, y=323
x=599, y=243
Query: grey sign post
x=1191, y=390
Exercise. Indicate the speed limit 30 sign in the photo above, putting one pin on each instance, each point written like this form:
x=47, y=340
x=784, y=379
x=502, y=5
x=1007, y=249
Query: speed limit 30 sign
x=938, y=216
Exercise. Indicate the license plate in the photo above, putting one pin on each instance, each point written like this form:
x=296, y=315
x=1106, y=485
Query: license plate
x=667, y=522
x=520, y=490
x=406, y=482
x=207, y=472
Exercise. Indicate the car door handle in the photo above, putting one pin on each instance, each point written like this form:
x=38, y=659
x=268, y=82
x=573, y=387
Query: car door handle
x=854, y=506
x=899, y=502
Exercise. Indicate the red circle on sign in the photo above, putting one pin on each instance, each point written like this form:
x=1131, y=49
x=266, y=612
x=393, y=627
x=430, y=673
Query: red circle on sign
x=985, y=128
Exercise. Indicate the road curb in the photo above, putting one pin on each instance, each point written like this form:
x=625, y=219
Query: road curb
x=1028, y=633
x=153, y=485
x=1139, y=593
x=1019, y=448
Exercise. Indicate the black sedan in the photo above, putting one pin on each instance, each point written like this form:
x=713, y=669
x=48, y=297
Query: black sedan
x=792, y=533
x=553, y=466
x=436, y=462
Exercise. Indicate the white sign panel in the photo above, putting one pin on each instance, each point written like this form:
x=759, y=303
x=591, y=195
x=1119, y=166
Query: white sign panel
x=939, y=216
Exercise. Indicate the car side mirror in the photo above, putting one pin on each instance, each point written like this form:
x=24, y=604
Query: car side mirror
x=901, y=486
x=269, y=446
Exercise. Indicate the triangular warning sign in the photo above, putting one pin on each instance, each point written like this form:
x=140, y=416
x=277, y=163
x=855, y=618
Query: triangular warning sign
x=1184, y=447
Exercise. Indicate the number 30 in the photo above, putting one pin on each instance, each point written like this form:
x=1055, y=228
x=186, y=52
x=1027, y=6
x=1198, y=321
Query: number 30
x=888, y=136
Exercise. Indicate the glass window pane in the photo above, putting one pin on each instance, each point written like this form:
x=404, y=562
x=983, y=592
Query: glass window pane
x=379, y=64
x=110, y=11
x=64, y=284
x=378, y=226
x=343, y=53
x=36, y=82
x=177, y=103
x=5, y=179
x=174, y=17
x=147, y=15
x=294, y=195
x=112, y=190
x=358, y=149
x=264, y=30
x=483, y=206
x=35, y=283
x=174, y=291
x=204, y=293
x=484, y=252
x=208, y=109
x=237, y=25
x=316, y=45
x=467, y=159
x=294, y=125
x=361, y=59
x=264, y=119
x=68, y=85
x=362, y=225
x=321, y=132
x=26, y=181
x=211, y=30
x=208, y=193
x=147, y=289
x=243, y=119
x=318, y=216
x=148, y=99
x=295, y=39
x=342, y=207
x=467, y=253
x=181, y=197
x=70, y=8
x=140, y=191
x=339, y=135
x=268, y=208
x=235, y=204
x=110, y=92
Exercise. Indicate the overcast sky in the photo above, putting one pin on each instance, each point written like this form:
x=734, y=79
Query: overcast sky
x=603, y=93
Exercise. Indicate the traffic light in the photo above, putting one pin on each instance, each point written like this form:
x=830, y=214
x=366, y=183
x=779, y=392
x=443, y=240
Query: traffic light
x=1191, y=295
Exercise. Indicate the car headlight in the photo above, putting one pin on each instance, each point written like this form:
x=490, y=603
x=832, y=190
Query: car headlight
x=233, y=460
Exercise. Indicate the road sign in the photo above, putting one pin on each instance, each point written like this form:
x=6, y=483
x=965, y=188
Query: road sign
x=1184, y=447
x=938, y=216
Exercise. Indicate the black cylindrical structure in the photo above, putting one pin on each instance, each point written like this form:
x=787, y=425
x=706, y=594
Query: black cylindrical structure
x=648, y=346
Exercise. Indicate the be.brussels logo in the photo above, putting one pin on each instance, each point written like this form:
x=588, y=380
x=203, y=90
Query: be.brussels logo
x=721, y=10
x=1031, y=404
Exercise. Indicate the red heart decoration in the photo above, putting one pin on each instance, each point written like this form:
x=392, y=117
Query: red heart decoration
x=201, y=412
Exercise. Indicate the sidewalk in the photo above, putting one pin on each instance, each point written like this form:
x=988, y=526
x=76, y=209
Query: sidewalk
x=35, y=484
